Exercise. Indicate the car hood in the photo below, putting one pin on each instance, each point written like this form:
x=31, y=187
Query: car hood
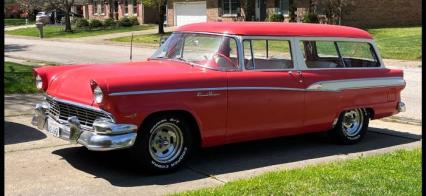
x=73, y=82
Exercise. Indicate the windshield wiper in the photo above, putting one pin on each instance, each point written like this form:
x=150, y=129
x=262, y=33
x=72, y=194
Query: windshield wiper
x=185, y=61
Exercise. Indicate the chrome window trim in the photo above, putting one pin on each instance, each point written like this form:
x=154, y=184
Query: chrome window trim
x=82, y=105
x=318, y=86
x=290, y=40
x=237, y=40
x=336, y=39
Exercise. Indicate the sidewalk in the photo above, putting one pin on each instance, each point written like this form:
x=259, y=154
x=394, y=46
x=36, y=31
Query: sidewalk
x=10, y=28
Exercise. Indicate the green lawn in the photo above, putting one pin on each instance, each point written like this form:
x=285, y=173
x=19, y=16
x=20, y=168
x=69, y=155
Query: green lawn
x=399, y=43
x=18, y=78
x=151, y=39
x=396, y=173
x=14, y=21
x=57, y=31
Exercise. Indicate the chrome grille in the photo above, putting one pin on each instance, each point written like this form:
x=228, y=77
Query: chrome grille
x=61, y=111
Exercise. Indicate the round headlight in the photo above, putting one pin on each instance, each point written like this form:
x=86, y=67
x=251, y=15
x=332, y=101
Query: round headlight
x=39, y=82
x=97, y=94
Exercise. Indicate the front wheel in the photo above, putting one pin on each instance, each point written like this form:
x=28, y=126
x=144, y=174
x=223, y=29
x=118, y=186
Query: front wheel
x=164, y=144
x=351, y=126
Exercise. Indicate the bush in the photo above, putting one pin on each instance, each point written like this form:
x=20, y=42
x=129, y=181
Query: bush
x=275, y=18
x=125, y=22
x=109, y=22
x=311, y=18
x=81, y=23
x=134, y=20
x=95, y=23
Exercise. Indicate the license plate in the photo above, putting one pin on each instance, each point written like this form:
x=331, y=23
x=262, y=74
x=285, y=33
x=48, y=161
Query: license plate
x=53, y=127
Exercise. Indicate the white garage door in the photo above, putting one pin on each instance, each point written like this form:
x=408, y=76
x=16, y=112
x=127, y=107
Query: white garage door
x=193, y=12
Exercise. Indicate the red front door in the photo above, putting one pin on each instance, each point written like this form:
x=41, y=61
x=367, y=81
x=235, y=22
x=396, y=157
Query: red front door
x=264, y=104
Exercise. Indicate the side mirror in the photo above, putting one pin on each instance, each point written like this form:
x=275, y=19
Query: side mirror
x=163, y=39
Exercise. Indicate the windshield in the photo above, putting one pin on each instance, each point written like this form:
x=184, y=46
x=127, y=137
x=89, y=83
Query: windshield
x=211, y=51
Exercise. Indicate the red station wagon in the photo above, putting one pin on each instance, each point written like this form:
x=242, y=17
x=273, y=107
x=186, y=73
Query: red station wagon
x=217, y=83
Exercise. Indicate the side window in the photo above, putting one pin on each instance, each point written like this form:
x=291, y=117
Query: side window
x=320, y=54
x=358, y=54
x=267, y=54
x=326, y=49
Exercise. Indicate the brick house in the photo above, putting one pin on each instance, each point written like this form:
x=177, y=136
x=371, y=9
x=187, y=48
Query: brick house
x=101, y=9
x=371, y=13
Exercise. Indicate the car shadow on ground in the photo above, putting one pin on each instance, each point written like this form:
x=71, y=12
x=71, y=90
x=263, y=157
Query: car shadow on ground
x=117, y=168
x=14, y=47
x=17, y=133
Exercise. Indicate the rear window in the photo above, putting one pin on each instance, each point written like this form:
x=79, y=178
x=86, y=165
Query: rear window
x=340, y=54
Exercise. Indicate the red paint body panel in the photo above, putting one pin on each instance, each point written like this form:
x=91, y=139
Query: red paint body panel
x=254, y=114
x=276, y=29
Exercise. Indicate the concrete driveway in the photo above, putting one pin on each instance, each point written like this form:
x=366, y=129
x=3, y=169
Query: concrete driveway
x=36, y=163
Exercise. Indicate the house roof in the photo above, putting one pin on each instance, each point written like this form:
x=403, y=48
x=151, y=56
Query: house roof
x=276, y=29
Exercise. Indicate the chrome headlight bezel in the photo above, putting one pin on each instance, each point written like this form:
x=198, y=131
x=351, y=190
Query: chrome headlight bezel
x=98, y=95
x=39, y=82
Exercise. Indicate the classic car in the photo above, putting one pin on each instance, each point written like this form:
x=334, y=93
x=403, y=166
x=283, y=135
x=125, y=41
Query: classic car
x=216, y=83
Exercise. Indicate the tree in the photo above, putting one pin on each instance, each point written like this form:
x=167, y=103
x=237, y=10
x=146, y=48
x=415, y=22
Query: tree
x=161, y=7
x=66, y=6
x=292, y=10
x=30, y=6
x=336, y=9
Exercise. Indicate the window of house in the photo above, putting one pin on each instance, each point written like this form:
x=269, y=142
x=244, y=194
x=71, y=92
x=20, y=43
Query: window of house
x=284, y=7
x=135, y=7
x=231, y=7
x=331, y=54
x=95, y=7
x=101, y=7
x=98, y=7
x=126, y=6
x=267, y=54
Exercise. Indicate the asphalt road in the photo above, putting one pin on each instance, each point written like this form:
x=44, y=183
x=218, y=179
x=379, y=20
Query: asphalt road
x=71, y=52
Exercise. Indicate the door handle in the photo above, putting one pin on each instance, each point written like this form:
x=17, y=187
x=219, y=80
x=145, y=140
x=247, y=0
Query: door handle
x=299, y=76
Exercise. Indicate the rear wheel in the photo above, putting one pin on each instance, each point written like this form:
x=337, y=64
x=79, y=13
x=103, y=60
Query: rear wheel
x=164, y=143
x=351, y=126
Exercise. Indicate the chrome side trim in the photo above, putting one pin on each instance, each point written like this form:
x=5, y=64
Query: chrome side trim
x=202, y=89
x=265, y=88
x=337, y=85
x=330, y=85
x=167, y=91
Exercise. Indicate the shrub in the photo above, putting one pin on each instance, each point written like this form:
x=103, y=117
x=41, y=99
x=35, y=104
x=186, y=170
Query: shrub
x=125, y=22
x=81, y=23
x=95, y=23
x=109, y=22
x=311, y=18
x=134, y=20
x=275, y=18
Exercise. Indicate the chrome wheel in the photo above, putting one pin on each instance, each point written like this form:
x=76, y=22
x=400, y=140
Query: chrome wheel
x=352, y=122
x=165, y=142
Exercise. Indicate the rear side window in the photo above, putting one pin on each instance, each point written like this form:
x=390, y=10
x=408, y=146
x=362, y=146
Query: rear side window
x=341, y=54
x=267, y=54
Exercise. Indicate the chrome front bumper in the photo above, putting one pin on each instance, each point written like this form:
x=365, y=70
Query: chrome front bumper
x=104, y=135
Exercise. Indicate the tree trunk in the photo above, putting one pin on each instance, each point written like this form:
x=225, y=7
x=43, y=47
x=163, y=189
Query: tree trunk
x=68, y=6
x=292, y=10
x=111, y=9
x=67, y=22
x=162, y=12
